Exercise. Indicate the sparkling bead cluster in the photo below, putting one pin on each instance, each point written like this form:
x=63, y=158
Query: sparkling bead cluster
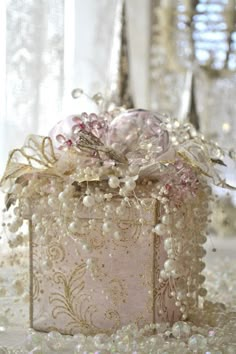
x=181, y=338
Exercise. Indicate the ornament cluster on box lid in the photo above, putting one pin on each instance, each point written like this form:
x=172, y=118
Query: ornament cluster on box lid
x=121, y=154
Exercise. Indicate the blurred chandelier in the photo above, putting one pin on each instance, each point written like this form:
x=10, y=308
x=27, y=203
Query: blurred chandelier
x=196, y=31
x=193, y=63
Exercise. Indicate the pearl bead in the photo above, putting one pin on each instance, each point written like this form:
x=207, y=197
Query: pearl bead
x=168, y=244
x=85, y=247
x=113, y=182
x=117, y=235
x=88, y=201
x=62, y=196
x=169, y=265
x=163, y=274
x=107, y=227
x=130, y=185
x=165, y=219
x=160, y=229
x=73, y=227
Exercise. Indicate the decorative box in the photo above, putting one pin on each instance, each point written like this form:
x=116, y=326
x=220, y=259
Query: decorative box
x=117, y=205
x=111, y=282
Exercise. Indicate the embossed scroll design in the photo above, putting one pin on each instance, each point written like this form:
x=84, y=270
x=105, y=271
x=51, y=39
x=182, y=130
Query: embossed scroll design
x=74, y=303
x=56, y=252
x=117, y=290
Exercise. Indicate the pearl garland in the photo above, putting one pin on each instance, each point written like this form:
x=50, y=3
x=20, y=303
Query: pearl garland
x=182, y=195
x=182, y=242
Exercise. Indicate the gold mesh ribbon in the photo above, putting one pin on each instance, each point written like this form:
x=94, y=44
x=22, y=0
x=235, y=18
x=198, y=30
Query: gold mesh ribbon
x=37, y=156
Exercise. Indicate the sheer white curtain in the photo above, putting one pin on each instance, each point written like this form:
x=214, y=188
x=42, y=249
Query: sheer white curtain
x=47, y=48
x=90, y=35
x=32, y=65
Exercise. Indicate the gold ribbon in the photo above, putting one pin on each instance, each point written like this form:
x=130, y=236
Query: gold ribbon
x=38, y=156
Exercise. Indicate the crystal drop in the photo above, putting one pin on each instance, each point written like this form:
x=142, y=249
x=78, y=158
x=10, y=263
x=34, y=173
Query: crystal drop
x=181, y=330
x=100, y=341
x=197, y=342
x=76, y=93
x=33, y=340
x=79, y=338
x=54, y=340
x=98, y=98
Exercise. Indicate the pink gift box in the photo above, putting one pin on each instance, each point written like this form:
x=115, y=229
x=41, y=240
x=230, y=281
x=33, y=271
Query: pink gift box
x=117, y=286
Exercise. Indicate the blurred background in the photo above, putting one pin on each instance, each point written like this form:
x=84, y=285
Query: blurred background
x=181, y=54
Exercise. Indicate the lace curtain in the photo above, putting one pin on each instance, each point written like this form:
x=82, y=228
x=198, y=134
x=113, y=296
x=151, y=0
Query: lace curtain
x=32, y=68
x=47, y=48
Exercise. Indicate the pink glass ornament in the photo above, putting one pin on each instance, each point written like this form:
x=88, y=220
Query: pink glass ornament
x=67, y=132
x=61, y=132
x=133, y=127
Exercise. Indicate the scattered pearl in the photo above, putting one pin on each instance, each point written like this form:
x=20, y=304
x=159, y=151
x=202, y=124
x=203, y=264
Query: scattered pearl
x=130, y=184
x=73, y=227
x=165, y=219
x=88, y=201
x=107, y=227
x=113, y=182
x=169, y=265
x=160, y=229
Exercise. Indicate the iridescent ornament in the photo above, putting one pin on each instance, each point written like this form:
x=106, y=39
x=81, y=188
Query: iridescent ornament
x=138, y=130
